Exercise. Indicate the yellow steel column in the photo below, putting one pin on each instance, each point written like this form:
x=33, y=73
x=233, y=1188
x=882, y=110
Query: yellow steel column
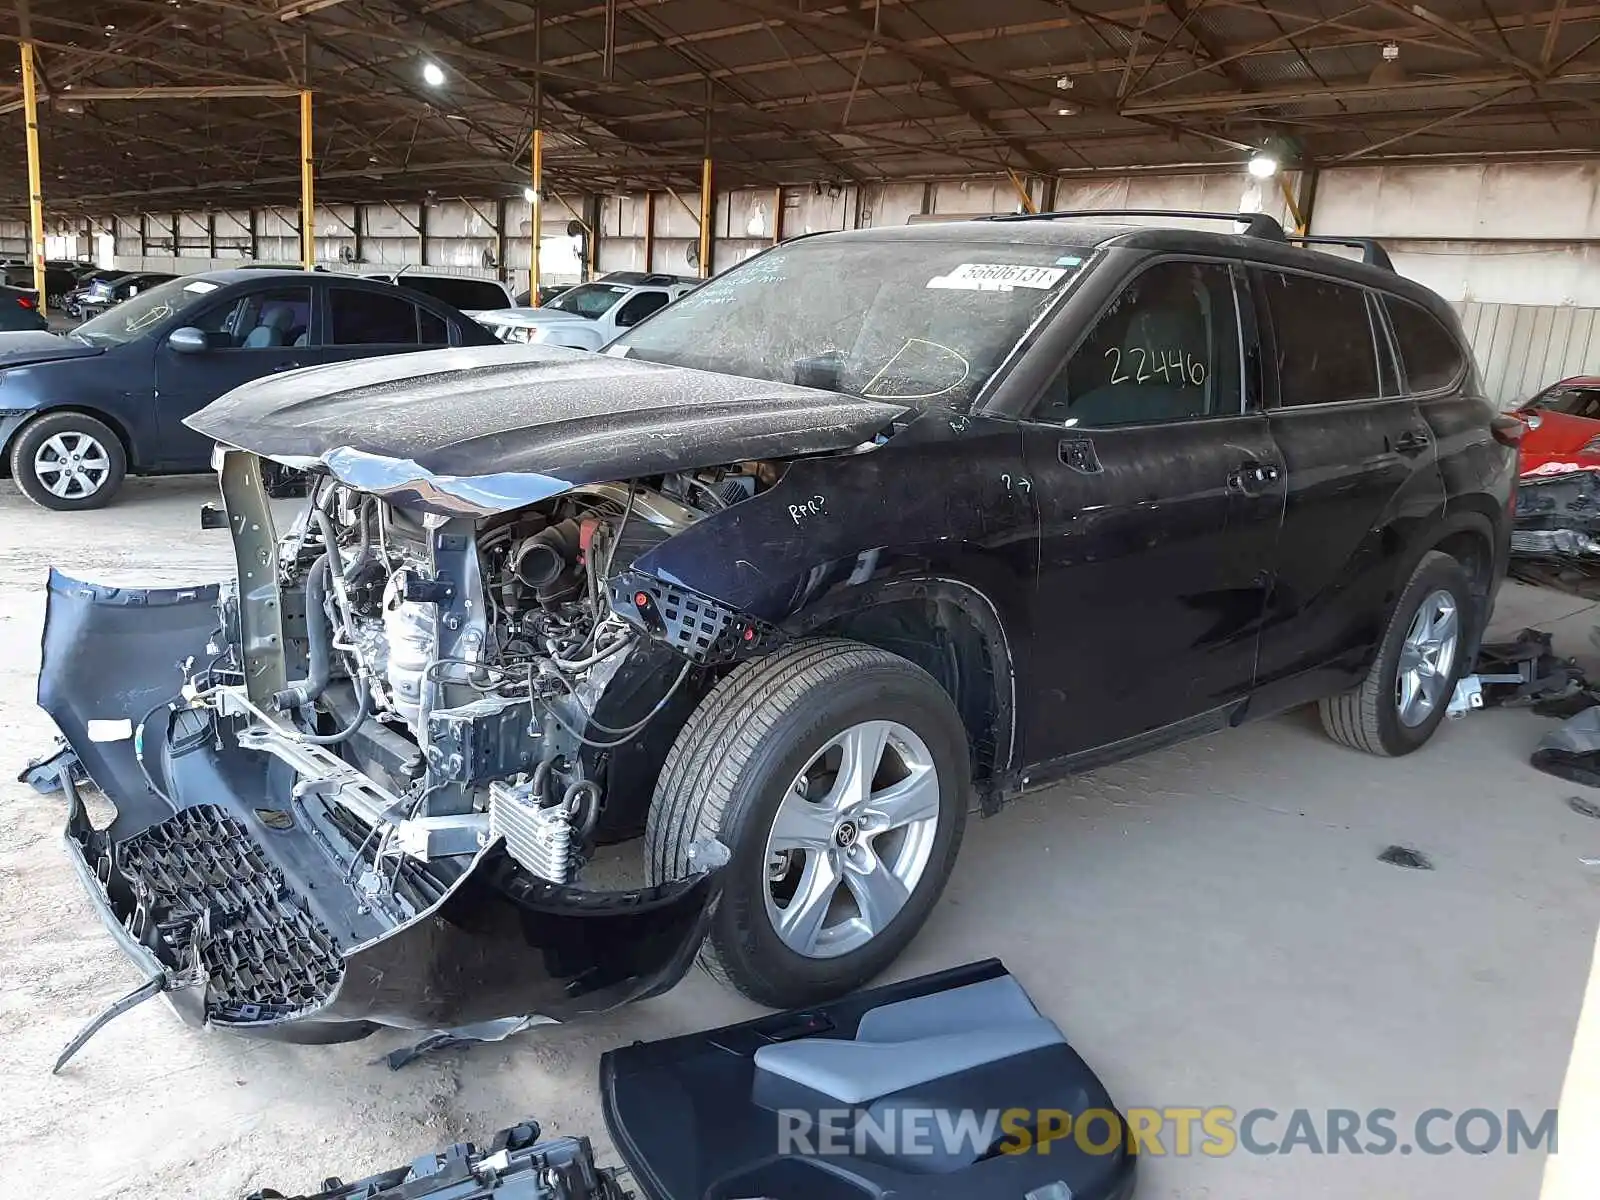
x=308, y=223
x=30, y=104
x=536, y=226
x=706, y=207
x=1028, y=206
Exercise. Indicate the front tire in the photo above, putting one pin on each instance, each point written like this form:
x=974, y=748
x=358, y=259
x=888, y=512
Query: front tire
x=1400, y=703
x=838, y=776
x=68, y=461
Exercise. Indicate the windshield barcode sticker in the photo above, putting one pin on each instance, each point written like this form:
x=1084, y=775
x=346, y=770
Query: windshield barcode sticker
x=997, y=277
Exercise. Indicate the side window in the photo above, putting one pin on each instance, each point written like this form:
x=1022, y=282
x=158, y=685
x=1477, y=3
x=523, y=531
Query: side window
x=432, y=330
x=262, y=320
x=640, y=307
x=219, y=319
x=1430, y=352
x=1166, y=350
x=1326, y=347
x=360, y=318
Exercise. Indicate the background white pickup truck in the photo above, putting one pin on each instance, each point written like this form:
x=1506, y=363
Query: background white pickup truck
x=588, y=316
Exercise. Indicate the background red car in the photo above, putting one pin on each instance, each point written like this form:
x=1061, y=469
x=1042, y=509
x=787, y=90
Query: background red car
x=1563, y=428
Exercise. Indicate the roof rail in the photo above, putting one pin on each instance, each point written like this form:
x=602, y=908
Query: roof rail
x=1256, y=224
x=1372, y=253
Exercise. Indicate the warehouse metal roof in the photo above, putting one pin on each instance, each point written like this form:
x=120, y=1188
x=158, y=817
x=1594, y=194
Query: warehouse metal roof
x=787, y=91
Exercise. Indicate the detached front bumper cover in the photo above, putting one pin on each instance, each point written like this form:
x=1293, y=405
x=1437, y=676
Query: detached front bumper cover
x=244, y=902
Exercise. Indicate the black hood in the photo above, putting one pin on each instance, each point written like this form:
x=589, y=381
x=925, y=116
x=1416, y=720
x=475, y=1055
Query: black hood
x=37, y=346
x=485, y=429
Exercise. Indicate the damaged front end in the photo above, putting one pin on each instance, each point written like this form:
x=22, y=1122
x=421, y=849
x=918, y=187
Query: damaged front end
x=356, y=786
x=1558, y=516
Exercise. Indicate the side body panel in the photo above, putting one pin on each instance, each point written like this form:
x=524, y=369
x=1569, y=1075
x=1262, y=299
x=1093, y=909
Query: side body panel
x=1365, y=500
x=117, y=387
x=1156, y=538
x=1480, y=481
x=1357, y=510
x=943, y=496
x=1153, y=574
x=939, y=513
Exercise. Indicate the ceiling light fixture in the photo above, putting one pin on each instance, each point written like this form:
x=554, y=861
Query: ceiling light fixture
x=432, y=74
x=1263, y=165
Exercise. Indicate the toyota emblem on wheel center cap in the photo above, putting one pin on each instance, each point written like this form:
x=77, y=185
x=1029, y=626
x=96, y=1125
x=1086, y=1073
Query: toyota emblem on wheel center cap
x=845, y=835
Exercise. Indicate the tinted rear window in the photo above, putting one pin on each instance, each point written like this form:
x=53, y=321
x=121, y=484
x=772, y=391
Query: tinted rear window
x=458, y=293
x=1431, y=354
x=1326, y=352
x=370, y=319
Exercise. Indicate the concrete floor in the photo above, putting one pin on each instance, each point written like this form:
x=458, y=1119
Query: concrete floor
x=1209, y=925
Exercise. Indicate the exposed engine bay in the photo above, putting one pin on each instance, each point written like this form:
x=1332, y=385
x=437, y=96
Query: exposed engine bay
x=481, y=681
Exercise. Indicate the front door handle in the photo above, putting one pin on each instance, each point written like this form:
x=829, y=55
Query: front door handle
x=1252, y=477
x=286, y=367
x=1412, y=441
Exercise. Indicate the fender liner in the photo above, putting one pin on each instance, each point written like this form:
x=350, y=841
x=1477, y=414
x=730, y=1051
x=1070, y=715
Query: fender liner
x=976, y=606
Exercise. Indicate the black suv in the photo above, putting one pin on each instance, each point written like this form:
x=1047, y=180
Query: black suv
x=870, y=527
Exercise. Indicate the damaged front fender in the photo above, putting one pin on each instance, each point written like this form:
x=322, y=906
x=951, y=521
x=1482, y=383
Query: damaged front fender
x=261, y=906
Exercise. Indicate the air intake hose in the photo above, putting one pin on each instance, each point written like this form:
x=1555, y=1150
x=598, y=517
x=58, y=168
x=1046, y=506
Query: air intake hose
x=543, y=558
x=320, y=638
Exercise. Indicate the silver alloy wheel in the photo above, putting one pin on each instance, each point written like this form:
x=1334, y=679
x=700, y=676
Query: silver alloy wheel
x=851, y=839
x=1427, y=658
x=71, y=465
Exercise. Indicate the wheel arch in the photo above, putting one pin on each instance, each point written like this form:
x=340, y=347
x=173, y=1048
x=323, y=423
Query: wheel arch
x=99, y=414
x=952, y=630
x=1468, y=535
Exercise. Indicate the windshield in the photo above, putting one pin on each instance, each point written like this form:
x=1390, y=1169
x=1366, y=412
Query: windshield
x=138, y=315
x=592, y=300
x=921, y=321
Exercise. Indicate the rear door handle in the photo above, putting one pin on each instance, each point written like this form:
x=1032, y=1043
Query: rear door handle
x=286, y=367
x=1412, y=441
x=1252, y=477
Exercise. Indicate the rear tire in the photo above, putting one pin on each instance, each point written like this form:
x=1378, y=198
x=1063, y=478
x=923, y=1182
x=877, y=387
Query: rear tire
x=68, y=461
x=1382, y=715
x=770, y=741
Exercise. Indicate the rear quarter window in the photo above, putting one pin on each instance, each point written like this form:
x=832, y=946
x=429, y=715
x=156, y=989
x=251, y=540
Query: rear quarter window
x=1430, y=353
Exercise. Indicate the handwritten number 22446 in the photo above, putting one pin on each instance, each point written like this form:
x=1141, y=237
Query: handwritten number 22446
x=1174, y=366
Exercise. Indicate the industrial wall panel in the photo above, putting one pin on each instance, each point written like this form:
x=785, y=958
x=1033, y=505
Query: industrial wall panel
x=675, y=255
x=1479, y=200
x=745, y=214
x=893, y=203
x=816, y=209
x=1522, y=348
